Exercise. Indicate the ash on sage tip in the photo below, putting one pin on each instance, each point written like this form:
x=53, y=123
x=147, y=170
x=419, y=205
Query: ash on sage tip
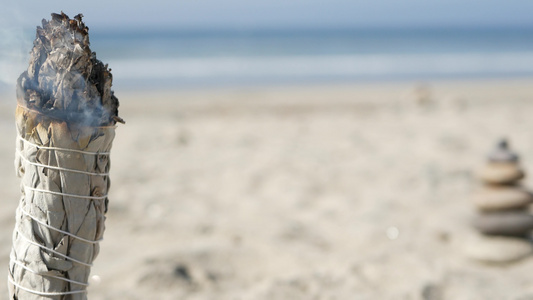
x=502, y=153
x=64, y=79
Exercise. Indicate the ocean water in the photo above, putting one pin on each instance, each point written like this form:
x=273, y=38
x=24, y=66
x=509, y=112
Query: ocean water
x=166, y=58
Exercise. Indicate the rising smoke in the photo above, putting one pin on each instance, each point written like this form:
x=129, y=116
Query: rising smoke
x=15, y=42
x=64, y=79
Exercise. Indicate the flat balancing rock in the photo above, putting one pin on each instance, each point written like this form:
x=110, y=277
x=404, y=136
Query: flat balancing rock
x=497, y=198
x=498, y=249
x=511, y=223
x=501, y=173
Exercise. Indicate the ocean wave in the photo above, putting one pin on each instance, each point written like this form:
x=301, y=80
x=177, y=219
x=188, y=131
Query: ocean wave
x=291, y=68
x=301, y=67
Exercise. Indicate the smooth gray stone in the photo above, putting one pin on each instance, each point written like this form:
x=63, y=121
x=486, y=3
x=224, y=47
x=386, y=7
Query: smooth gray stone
x=502, y=153
x=511, y=223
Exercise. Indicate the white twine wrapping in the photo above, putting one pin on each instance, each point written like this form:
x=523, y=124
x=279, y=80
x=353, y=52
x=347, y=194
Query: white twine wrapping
x=41, y=223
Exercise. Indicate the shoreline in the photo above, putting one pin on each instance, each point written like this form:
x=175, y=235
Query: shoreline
x=168, y=85
x=370, y=84
x=127, y=89
x=474, y=91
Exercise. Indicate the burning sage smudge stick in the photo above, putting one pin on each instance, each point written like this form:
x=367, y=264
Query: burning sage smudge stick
x=66, y=118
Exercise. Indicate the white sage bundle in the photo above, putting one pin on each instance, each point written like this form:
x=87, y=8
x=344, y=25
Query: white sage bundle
x=66, y=118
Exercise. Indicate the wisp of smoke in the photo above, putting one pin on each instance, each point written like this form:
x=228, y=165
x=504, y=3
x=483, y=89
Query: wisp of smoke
x=64, y=79
x=15, y=42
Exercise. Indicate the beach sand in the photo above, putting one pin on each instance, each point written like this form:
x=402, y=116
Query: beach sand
x=352, y=191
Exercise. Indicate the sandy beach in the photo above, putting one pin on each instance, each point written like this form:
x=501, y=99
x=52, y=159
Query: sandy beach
x=348, y=191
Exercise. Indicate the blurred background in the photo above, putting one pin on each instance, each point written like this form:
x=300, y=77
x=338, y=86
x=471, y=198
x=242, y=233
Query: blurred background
x=210, y=43
x=297, y=149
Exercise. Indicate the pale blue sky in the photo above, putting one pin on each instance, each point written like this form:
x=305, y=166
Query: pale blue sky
x=245, y=14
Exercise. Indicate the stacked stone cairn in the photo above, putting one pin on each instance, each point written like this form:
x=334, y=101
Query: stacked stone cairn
x=502, y=209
